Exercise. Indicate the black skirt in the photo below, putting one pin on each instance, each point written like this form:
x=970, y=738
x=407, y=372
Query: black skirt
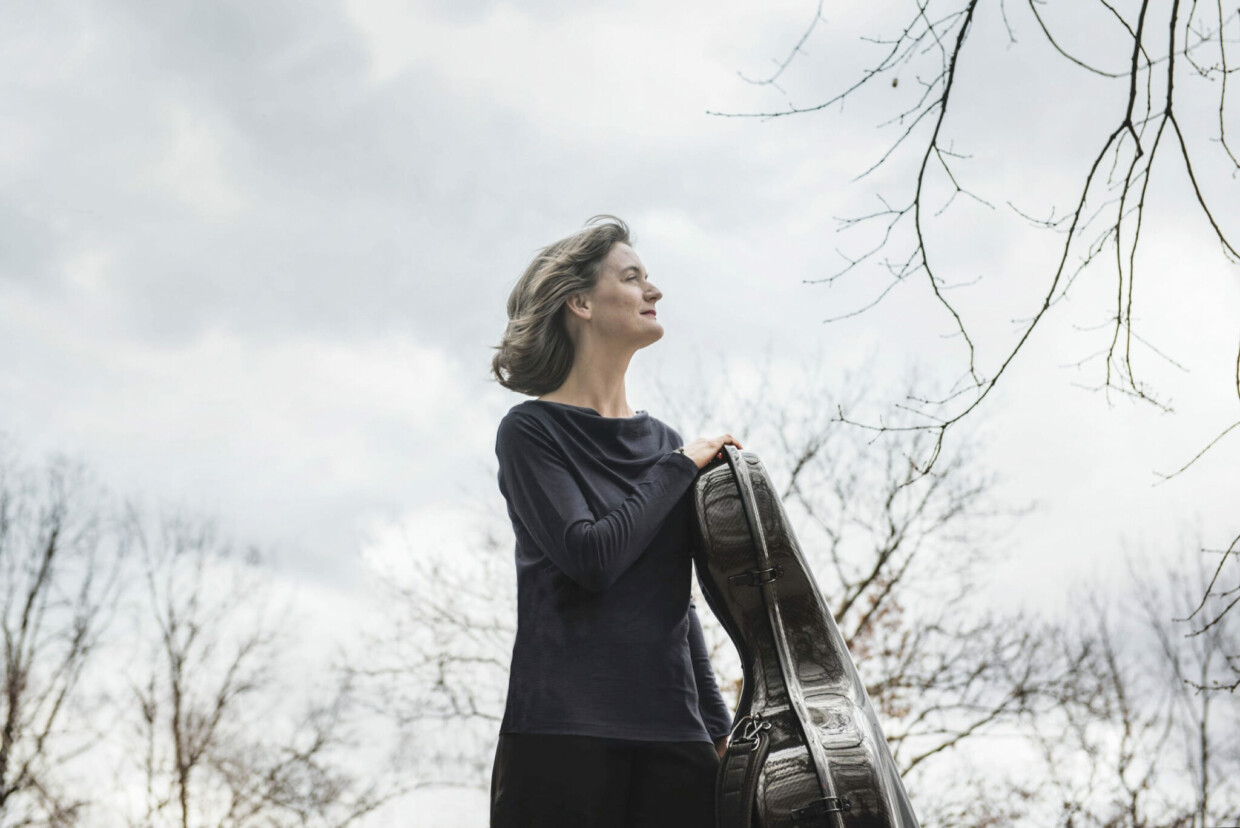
x=546, y=781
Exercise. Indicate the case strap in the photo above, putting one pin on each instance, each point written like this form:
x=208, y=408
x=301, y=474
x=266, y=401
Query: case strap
x=736, y=786
x=764, y=575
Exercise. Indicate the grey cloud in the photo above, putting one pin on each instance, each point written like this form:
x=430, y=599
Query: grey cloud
x=364, y=205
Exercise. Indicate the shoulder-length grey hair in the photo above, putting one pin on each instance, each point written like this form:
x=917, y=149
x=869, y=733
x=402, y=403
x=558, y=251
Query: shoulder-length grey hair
x=536, y=354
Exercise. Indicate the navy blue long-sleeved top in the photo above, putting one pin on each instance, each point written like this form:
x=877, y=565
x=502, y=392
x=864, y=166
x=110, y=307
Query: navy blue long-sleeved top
x=608, y=640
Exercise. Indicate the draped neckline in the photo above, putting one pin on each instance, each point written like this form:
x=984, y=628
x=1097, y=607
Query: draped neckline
x=637, y=417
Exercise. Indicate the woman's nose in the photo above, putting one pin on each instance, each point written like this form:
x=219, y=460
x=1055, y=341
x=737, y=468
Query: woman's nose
x=655, y=294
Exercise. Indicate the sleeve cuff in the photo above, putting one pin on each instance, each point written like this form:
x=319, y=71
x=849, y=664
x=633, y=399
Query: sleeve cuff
x=685, y=460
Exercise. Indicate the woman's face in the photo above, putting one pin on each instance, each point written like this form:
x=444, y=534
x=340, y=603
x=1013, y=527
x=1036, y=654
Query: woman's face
x=622, y=302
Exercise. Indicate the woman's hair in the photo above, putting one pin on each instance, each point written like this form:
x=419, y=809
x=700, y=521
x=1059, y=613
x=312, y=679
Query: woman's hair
x=536, y=353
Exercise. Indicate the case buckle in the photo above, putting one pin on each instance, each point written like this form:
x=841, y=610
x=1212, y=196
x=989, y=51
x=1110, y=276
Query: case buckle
x=756, y=577
x=749, y=727
x=822, y=807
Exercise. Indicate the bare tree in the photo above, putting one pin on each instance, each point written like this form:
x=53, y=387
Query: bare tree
x=220, y=742
x=1197, y=666
x=1146, y=737
x=1219, y=596
x=58, y=588
x=438, y=669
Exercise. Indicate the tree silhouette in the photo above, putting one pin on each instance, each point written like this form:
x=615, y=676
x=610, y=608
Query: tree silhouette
x=59, y=587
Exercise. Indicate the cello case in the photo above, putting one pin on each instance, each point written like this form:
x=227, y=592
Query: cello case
x=806, y=747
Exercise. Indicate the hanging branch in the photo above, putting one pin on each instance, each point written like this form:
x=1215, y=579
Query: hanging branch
x=1112, y=196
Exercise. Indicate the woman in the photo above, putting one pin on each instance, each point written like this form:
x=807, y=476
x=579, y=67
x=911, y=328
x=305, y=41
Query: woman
x=613, y=717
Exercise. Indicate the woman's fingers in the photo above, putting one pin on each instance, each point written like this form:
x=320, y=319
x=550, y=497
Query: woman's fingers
x=724, y=440
x=704, y=450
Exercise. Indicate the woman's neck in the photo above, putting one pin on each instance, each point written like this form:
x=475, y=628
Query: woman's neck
x=609, y=402
x=596, y=379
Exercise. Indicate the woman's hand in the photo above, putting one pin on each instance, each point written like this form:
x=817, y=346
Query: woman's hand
x=721, y=746
x=704, y=449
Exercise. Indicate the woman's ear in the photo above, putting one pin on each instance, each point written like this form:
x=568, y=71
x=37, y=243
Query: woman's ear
x=578, y=305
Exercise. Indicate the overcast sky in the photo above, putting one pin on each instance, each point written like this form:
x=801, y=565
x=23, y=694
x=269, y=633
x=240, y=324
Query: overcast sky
x=254, y=256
